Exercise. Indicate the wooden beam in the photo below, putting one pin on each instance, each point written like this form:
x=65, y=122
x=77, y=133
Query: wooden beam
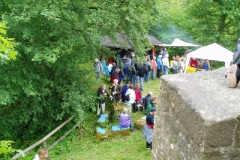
x=60, y=139
x=44, y=139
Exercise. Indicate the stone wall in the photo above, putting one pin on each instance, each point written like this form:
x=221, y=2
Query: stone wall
x=197, y=118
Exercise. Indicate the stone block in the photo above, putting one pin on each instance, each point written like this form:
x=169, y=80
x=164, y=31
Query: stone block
x=197, y=118
x=220, y=134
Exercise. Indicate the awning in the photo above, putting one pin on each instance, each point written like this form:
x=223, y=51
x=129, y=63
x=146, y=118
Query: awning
x=122, y=41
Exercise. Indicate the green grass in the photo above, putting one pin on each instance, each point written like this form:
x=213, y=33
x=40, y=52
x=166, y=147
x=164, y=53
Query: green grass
x=119, y=148
x=86, y=146
x=131, y=147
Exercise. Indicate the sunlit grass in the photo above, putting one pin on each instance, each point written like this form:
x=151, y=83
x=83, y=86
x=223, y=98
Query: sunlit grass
x=129, y=147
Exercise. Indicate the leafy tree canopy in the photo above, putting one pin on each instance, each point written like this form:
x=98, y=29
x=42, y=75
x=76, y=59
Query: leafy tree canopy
x=199, y=21
x=48, y=83
x=214, y=21
x=6, y=46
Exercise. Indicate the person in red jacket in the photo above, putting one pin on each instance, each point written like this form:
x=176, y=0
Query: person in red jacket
x=138, y=97
x=193, y=62
x=116, y=75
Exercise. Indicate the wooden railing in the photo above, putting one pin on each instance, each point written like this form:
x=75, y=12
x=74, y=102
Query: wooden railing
x=43, y=140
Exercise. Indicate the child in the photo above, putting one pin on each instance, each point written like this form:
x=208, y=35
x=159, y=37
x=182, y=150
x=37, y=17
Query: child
x=42, y=154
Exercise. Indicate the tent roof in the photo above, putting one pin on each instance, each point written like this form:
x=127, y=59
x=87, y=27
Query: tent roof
x=179, y=43
x=212, y=52
x=122, y=41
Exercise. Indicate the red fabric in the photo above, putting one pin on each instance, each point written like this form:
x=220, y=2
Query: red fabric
x=110, y=60
x=154, y=64
x=193, y=62
x=115, y=76
x=150, y=125
x=138, y=94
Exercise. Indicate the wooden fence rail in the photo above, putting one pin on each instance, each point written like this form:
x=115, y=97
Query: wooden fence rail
x=43, y=140
x=60, y=139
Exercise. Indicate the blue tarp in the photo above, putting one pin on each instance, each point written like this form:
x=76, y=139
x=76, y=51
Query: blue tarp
x=116, y=128
x=125, y=128
x=128, y=104
x=102, y=119
x=101, y=130
x=104, y=115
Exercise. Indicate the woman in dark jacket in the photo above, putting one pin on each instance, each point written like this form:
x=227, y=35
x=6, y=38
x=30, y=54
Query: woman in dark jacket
x=141, y=73
x=116, y=90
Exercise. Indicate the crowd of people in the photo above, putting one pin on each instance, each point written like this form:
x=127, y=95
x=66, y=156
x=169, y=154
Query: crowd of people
x=128, y=75
x=133, y=69
x=200, y=64
x=130, y=95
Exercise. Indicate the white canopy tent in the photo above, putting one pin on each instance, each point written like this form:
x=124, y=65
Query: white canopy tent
x=179, y=43
x=212, y=52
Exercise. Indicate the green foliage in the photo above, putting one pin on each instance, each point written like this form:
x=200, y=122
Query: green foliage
x=168, y=27
x=214, y=21
x=199, y=21
x=48, y=83
x=6, y=45
x=6, y=150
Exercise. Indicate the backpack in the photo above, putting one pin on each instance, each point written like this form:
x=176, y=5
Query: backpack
x=149, y=106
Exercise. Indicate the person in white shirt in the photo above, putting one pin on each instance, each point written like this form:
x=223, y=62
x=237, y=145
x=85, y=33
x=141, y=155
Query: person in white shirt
x=132, y=99
x=165, y=62
x=131, y=93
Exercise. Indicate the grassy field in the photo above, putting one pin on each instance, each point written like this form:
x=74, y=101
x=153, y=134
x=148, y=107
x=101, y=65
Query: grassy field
x=131, y=147
x=119, y=148
x=86, y=146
